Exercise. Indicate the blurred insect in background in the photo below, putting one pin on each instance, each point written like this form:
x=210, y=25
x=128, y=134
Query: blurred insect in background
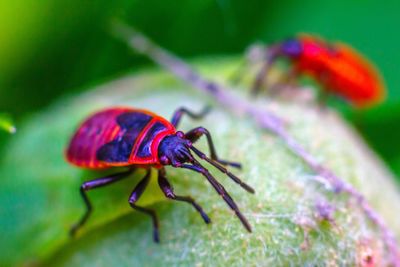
x=136, y=138
x=336, y=67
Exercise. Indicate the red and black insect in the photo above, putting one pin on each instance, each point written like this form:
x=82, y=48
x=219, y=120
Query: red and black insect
x=136, y=138
x=338, y=68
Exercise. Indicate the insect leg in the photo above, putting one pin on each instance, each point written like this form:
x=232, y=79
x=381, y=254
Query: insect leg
x=136, y=193
x=169, y=193
x=324, y=94
x=292, y=76
x=194, y=135
x=176, y=118
x=254, y=54
x=86, y=186
x=287, y=80
x=260, y=78
x=222, y=169
x=220, y=190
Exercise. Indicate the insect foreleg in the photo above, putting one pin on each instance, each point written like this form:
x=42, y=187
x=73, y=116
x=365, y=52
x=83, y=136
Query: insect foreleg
x=194, y=134
x=169, y=193
x=176, y=118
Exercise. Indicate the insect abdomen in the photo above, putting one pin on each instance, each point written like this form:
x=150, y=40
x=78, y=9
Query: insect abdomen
x=97, y=130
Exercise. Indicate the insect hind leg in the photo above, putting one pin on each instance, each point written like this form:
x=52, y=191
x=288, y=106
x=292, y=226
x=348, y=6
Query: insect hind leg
x=89, y=185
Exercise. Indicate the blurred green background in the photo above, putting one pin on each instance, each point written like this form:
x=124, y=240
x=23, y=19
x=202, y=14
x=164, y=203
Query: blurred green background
x=49, y=48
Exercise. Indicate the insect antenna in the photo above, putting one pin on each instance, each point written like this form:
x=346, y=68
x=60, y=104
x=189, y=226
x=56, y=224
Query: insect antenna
x=197, y=167
x=223, y=170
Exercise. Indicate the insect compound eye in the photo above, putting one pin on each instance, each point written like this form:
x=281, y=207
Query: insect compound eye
x=291, y=47
x=164, y=160
x=180, y=134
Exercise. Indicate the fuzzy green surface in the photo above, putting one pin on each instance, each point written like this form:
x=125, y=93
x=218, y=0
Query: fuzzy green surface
x=40, y=199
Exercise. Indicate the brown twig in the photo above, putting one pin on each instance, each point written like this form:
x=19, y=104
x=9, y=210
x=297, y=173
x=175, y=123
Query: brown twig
x=264, y=119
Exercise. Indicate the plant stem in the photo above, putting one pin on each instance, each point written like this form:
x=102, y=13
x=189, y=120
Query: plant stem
x=264, y=119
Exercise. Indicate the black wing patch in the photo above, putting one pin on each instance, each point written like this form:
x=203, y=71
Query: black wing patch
x=144, y=148
x=119, y=150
